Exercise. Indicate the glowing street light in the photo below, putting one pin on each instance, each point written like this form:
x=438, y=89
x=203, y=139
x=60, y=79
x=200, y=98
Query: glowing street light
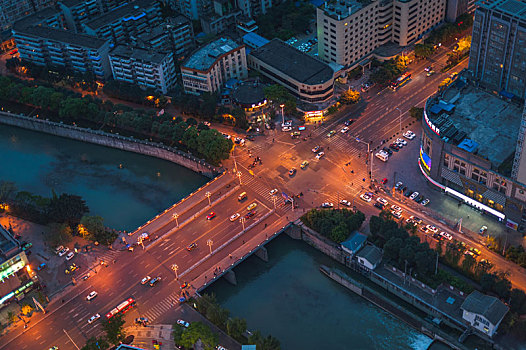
x=175, y=216
x=282, y=114
x=175, y=267
x=208, y=194
x=239, y=177
x=209, y=244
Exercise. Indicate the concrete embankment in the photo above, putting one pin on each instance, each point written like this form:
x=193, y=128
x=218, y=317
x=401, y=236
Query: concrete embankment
x=112, y=140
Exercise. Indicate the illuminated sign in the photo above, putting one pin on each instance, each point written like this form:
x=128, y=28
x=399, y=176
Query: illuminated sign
x=314, y=114
x=425, y=159
x=430, y=124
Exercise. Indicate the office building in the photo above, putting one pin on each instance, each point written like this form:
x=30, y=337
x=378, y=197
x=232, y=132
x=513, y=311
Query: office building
x=13, y=10
x=349, y=31
x=45, y=45
x=307, y=78
x=498, y=46
x=456, y=8
x=144, y=68
x=207, y=69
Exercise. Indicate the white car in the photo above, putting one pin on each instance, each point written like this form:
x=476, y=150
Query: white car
x=91, y=296
x=446, y=235
x=63, y=251
x=327, y=205
x=409, y=135
x=320, y=155
x=344, y=130
x=58, y=249
x=425, y=202
x=315, y=149
x=183, y=323
x=286, y=128
x=273, y=192
x=93, y=318
x=70, y=256
x=432, y=228
x=234, y=217
x=345, y=202
x=395, y=208
x=381, y=200
x=365, y=197
x=414, y=195
x=402, y=141
x=146, y=280
x=396, y=214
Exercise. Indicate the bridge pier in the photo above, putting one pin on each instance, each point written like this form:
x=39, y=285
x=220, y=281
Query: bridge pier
x=262, y=253
x=230, y=277
x=294, y=231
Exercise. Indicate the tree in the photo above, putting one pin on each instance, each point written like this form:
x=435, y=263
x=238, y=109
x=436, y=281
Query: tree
x=417, y=113
x=91, y=227
x=67, y=208
x=94, y=343
x=7, y=191
x=423, y=50
x=468, y=263
x=267, y=343
x=26, y=309
x=114, y=329
x=350, y=96
x=206, y=301
x=392, y=248
x=280, y=95
x=218, y=315
x=518, y=301
x=11, y=316
x=236, y=327
x=190, y=138
x=444, y=84
x=59, y=234
x=213, y=146
x=199, y=331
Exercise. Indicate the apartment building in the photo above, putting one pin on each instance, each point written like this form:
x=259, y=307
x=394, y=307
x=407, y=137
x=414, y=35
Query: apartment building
x=212, y=65
x=456, y=8
x=143, y=67
x=119, y=24
x=193, y=9
x=350, y=30
x=77, y=12
x=13, y=10
x=498, y=46
x=45, y=45
x=220, y=17
x=254, y=8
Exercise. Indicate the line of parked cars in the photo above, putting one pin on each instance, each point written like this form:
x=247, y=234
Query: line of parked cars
x=414, y=195
x=395, y=146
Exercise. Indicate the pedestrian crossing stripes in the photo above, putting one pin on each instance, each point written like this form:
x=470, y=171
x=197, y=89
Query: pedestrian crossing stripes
x=161, y=308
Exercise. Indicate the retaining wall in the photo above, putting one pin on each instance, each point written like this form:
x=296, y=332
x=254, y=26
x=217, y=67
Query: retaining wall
x=129, y=144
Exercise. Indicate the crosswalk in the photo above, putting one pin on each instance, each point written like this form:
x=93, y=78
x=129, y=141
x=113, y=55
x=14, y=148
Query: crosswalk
x=170, y=302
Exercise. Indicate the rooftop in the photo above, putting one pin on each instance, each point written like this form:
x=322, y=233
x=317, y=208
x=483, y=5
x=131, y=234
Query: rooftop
x=205, y=57
x=490, y=307
x=478, y=118
x=8, y=244
x=371, y=253
x=138, y=54
x=249, y=93
x=342, y=9
x=294, y=63
x=355, y=242
x=71, y=3
x=514, y=8
x=136, y=7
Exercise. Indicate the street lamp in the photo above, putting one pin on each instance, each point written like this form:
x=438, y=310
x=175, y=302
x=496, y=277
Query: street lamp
x=274, y=199
x=239, y=176
x=209, y=244
x=368, y=151
x=243, y=222
x=175, y=216
x=175, y=267
x=400, y=119
x=282, y=114
x=208, y=194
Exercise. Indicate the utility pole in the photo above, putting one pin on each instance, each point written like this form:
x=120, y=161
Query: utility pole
x=71, y=339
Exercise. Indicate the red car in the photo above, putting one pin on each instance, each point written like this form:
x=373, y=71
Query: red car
x=192, y=246
x=250, y=214
x=384, y=181
x=211, y=216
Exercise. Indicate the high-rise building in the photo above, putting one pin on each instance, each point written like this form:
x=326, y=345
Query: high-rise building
x=456, y=8
x=350, y=30
x=13, y=10
x=214, y=64
x=498, y=46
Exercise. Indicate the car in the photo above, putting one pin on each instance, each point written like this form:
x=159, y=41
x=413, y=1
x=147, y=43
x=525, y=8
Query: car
x=304, y=164
x=365, y=197
x=384, y=180
x=388, y=151
x=320, y=155
x=53, y=348
x=446, y=235
x=41, y=267
x=416, y=219
x=419, y=198
x=469, y=252
x=430, y=73
x=63, y=251
x=414, y=195
x=70, y=256
x=345, y=202
x=475, y=251
x=408, y=221
x=71, y=268
x=145, y=280
x=485, y=262
x=141, y=320
x=402, y=141
x=399, y=185
x=286, y=128
x=425, y=202
x=183, y=323
x=396, y=214
x=273, y=191
x=331, y=133
x=58, y=249
x=295, y=134
x=394, y=147
x=252, y=206
x=382, y=200
x=483, y=230
x=315, y=149
x=88, y=275
x=379, y=205
x=399, y=144
x=344, y=130
x=395, y=207
x=423, y=229
x=292, y=172
x=219, y=347
x=92, y=295
x=211, y=215
x=191, y=246
x=432, y=228
x=250, y=214
x=428, y=68
x=234, y=217
x=409, y=135
x=144, y=235
x=93, y=318
x=154, y=281
x=327, y=205
x=349, y=122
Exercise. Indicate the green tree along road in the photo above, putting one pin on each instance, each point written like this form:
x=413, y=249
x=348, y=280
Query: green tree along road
x=280, y=95
x=197, y=331
x=335, y=224
x=66, y=106
x=114, y=329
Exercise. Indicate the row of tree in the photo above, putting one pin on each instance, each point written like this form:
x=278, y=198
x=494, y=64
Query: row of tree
x=208, y=306
x=71, y=107
x=113, y=334
x=335, y=224
x=387, y=71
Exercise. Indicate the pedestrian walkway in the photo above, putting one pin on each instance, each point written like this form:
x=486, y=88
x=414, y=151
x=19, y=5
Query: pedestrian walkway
x=168, y=303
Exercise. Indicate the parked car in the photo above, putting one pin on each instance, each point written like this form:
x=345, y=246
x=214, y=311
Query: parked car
x=252, y=206
x=384, y=181
x=344, y=130
x=379, y=205
x=155, y=280
x=145, y=280
x=304, y=164
x=394, y=147
x=388, y=151
x=250, y=214
x=63, y=251
x=183, y=323
x=425, y=202
x=331, y=133
x=396, y=214
x=483, y=230
x=409, y=135
x=349, y=122
x=70, y=256
x=327, y=205
x=315, y=149
x=395, y=207
x=382, y=200
x=273, y=191
x=414, y=195
x=365, y=197
x=320, y=155
x=292, y=172
x=41, y=267
x=399, y=185
x=446, y=235
x=432, y=228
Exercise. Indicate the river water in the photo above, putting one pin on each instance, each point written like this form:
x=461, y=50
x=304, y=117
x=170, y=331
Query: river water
x=125, y=197
x=289, y=298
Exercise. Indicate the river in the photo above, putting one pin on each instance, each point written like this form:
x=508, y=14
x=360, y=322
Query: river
x=125, y=197
x=289, y=298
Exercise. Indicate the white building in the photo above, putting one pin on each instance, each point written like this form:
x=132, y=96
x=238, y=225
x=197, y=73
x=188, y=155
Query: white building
x=483, y=312
x=211, y=66
x=144, y=68
x=370, y=256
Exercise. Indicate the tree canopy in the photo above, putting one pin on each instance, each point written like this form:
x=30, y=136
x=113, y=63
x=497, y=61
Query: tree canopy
x=335, y=224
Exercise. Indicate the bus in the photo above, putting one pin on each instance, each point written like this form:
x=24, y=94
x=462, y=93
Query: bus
x=121, y=308
x=401, y=81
